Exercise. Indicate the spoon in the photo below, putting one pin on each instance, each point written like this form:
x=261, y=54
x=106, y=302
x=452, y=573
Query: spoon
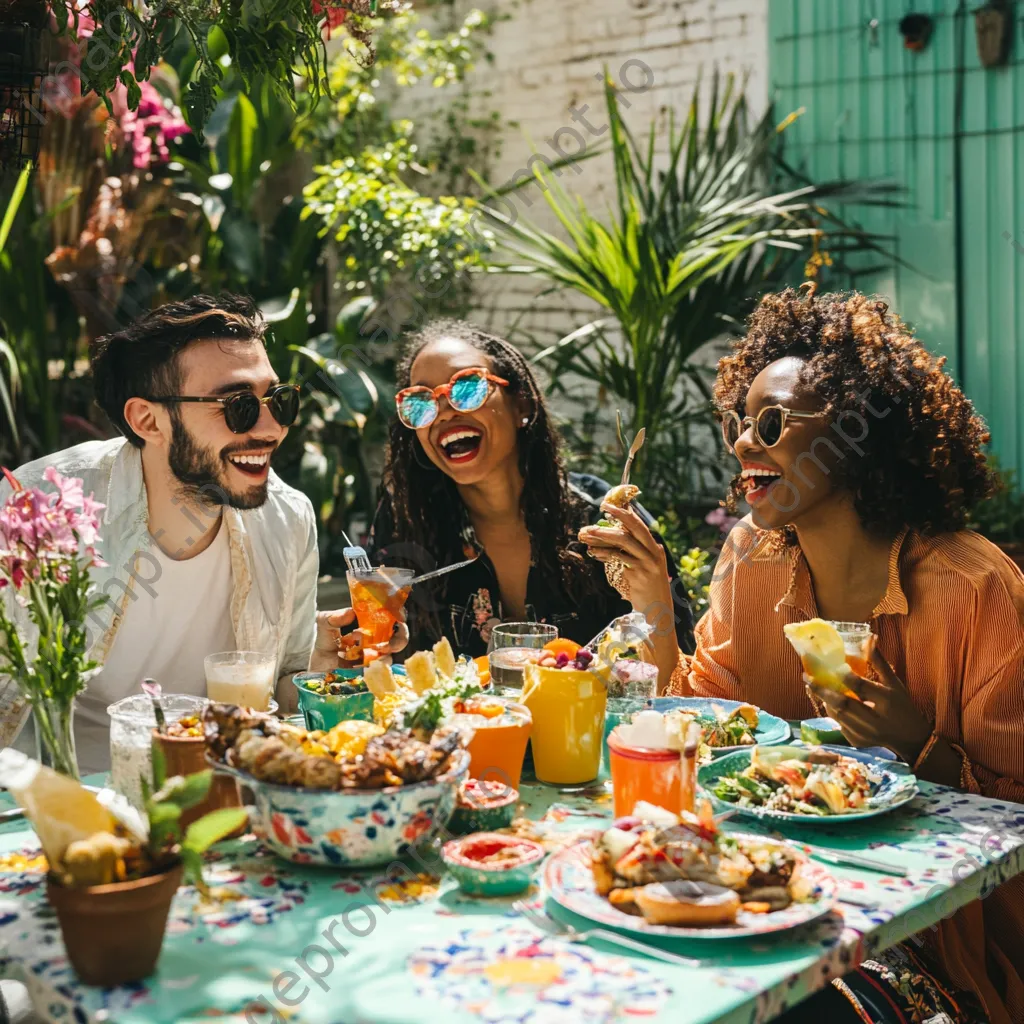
x=154, y=691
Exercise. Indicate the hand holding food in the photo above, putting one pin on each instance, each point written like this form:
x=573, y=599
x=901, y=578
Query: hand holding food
x=822, y=654
x=878, y=712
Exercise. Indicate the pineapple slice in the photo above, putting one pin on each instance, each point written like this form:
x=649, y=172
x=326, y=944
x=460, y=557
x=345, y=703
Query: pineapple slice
x=421, y=671
x=444, y=657
x=378, y=679
x=822, y=653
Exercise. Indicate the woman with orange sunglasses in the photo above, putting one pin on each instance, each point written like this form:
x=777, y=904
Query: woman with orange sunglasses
x=474, y=468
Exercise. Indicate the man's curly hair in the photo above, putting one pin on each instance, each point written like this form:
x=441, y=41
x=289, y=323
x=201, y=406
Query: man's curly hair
x=923, y=463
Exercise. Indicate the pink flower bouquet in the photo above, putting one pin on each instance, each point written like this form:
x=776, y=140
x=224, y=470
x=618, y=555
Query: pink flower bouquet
x=47, y=547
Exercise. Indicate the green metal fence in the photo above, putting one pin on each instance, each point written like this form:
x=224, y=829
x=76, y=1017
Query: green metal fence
x=952, y=132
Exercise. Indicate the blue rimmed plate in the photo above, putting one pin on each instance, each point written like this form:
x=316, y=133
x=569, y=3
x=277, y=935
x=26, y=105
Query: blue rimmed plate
x=769, y=732
x=893, y=790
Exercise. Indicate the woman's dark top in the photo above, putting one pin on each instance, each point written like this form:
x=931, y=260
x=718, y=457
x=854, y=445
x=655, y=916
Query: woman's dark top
x=468, y=601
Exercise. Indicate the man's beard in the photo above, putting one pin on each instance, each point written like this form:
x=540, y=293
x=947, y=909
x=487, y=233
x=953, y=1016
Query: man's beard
x=199, y=471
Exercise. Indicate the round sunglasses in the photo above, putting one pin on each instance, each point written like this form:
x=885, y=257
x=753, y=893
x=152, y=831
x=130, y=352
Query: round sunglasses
x=466, y=391
x=242, y=409
x=769, y=424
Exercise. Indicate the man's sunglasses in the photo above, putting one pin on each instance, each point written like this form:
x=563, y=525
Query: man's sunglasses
x=769, y=424
x=242, y=409
x=466, y=391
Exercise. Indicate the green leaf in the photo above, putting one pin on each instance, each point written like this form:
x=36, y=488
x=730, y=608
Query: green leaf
x=242, y=157
x=185, y=791
x=212, y=827
x=14, y=203
x=192, y=862
x=134, y=89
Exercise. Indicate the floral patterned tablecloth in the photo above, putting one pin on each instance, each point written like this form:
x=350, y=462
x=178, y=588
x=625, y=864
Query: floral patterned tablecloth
x=287, y=943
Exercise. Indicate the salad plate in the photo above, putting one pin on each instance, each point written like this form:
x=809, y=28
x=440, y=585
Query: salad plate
x=768, y=731
x=808, y=785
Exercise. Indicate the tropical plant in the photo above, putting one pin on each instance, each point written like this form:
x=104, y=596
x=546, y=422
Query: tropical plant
x=270, y=40
x=1001, y=517
x=692, y=240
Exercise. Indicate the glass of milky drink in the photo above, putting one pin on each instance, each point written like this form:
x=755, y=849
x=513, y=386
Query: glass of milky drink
x=246, y=678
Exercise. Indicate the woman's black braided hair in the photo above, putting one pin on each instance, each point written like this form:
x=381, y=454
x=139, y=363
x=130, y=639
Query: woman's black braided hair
x=424, y=500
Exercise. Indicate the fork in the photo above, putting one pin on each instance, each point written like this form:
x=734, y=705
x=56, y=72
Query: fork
x=356, y=557
x=540, y=919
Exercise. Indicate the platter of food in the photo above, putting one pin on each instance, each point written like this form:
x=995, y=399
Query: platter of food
x=657, y=873
x=729, y=725
x=806, y=784
x=354, y=796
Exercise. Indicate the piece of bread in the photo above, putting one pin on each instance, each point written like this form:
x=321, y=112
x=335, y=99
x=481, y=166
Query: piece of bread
x=378, y=679
x=691, y=904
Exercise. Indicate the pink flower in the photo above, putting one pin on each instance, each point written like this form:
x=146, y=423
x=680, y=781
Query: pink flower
x=720, y=518
x=69, y=489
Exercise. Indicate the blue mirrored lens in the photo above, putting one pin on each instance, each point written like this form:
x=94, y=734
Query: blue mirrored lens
x=469, y=393
x=418, y=410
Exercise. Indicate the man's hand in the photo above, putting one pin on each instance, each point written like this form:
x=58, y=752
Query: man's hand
x=329, y=625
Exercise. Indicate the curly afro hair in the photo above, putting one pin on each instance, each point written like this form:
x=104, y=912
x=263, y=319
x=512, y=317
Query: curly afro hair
x=923, y=462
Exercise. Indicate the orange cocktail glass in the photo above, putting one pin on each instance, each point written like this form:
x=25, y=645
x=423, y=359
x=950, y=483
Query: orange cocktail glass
x=497, y=750
x=856, y=637
x=377, y=599
x=664, y=778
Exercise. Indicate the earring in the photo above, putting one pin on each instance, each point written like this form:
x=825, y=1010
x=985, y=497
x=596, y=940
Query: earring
x=526, y=421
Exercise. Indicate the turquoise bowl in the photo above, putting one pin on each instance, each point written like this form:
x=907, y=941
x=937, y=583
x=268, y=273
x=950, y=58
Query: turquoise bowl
x=324, y=713
x=467, y=818
x=500, y=879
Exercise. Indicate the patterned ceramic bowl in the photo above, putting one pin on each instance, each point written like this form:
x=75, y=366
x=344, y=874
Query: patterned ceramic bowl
x=351, y=828
x=480, y=877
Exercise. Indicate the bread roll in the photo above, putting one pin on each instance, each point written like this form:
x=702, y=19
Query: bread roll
x=693, y=904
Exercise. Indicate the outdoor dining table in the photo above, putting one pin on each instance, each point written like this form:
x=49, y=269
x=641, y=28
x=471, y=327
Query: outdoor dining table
x=283, y=942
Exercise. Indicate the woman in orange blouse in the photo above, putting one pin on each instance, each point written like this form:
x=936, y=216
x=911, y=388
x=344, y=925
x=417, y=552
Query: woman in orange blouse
x=860, y=458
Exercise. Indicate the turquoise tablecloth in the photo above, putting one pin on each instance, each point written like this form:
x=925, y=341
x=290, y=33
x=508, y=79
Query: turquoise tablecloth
x=313, y=945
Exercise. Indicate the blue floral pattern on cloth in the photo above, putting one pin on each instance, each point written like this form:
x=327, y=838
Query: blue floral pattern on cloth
x=418, y=949
x=507, y=975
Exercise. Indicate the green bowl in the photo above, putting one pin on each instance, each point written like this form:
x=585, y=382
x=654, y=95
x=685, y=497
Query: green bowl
x=325, y=713
x=493, y=879
x=467, y=819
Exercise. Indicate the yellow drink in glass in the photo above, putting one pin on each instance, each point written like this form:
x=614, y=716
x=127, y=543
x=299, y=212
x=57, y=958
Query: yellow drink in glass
x=568, y=708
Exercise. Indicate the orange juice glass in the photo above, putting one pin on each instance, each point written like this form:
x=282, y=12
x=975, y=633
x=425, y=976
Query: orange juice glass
x=664, y=778
x=496, y=752
x=377, y=599
x=855, y=637
x=568, y=708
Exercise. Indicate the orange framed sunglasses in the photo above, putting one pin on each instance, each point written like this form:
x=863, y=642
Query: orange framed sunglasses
x=466, y=391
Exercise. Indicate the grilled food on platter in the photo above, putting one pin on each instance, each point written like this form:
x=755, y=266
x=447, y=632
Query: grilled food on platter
x=353, y=754
x=680, y=869
x=798, y=780
x=614, y=569
x=822, y=654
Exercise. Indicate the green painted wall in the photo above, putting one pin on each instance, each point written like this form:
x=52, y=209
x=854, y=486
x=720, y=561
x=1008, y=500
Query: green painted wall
x=874, y=109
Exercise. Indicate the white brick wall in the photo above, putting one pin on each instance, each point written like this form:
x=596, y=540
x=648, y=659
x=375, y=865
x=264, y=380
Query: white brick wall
x=547, y=59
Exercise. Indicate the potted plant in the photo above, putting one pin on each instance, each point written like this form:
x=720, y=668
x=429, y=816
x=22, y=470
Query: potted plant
x=47, y=547
x=113, y=873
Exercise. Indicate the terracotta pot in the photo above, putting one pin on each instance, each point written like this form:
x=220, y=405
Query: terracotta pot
x=113, y=933
x=186, y=755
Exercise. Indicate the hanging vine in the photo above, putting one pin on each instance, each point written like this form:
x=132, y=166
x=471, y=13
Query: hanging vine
x=272, y=39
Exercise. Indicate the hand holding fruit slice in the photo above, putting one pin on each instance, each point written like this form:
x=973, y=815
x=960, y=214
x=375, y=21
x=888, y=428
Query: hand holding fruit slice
x=822, y=654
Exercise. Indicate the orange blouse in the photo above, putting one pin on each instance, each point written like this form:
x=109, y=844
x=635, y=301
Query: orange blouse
x=951, y=624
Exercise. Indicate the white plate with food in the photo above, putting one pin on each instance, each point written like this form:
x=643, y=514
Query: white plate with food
x=680, y=876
